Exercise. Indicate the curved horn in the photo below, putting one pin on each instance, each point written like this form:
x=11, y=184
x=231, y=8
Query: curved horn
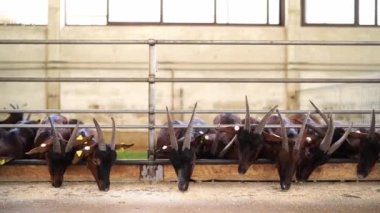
x=371, y=132
x=189, y=130
x=297, y=146
x=247, y=125
x=285, y=141
x=101, y=143
x=339, y=142
x=56, y=144
x=173, y=139
x=260, y=127
x=113, y=137
x=227, y=147
x=320, y=112
x=72, y=140
x=326, y=142
x=13, y=106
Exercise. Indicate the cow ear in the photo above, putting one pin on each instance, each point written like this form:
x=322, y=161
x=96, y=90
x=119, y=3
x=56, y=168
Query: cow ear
x=270, y=137
x=4, y=160
x=123, y=146
x=43, y=148
x=357, y=135
x=82, y=153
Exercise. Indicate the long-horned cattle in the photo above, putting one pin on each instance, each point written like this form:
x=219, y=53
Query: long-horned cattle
x=369, y=148
x=57, y=151
x=250, y=140
x=99, y=155
x=318, y=149
x=182, y=154
x=284, y=152
x=15, y=142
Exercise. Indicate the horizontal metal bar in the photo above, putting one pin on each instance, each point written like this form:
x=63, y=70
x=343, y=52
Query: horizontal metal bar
x=268, y=80
x=73, y=80
x=194, y=42
x=142, y=126
x=200, y=111
x=79, y=111
x=194, y=80
x=166, y=161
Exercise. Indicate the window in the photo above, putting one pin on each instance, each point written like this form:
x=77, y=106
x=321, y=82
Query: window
x=134, y=11
x=188, y=11
x=341, y=12
x=26, y=12
x=78, y=12
x=103, y=12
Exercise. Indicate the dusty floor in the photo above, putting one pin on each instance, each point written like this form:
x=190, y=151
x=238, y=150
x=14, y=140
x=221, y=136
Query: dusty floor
x=201, y=197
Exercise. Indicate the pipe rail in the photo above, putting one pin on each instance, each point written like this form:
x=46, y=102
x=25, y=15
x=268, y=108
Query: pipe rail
x=144, y=126
x=192, y=80
x=152, y=79
x=200, y=111
x=192, y=42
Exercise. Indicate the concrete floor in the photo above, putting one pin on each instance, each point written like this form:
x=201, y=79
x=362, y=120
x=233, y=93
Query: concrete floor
x=201, y=197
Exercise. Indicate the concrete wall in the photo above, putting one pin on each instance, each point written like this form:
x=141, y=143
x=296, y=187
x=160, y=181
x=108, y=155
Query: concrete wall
x=182, y=61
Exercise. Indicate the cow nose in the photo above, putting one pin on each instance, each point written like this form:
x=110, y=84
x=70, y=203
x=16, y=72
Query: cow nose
x=285, y=187
x=57, y=184
x=242, y=169
x=361, y=176
x=183, y=187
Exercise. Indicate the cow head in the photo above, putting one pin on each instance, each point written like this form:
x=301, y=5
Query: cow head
x=319, y=150
x=182, y=155
x=100, y=156
x=58, y=153
x=287, y=157
x=250, y=142
x=369, y=149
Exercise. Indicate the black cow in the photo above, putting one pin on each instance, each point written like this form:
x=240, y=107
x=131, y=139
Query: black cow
x=58, y=153
x=99, y=155
x=369, y=148
x=317, y=150
x=15, y=142
x=250, y=140
x=284, y=152
x=182, y=153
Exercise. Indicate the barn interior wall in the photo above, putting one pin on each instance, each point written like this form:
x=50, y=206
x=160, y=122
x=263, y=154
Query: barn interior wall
x=183, y=61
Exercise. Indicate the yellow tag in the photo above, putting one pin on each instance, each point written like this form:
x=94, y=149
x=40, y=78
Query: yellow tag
x=79, y=153
x=2, y=162
x=79, y=138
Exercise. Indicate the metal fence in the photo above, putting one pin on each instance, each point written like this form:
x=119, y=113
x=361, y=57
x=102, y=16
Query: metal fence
x=151, y=80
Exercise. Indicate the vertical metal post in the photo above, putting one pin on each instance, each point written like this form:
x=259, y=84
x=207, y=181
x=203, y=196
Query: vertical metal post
x=152, y=104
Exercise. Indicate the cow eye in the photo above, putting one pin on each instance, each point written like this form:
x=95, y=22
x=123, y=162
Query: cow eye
x=96, y=161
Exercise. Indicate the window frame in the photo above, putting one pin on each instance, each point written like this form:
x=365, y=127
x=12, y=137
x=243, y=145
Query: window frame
x=356, y=17
x=214, y=23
